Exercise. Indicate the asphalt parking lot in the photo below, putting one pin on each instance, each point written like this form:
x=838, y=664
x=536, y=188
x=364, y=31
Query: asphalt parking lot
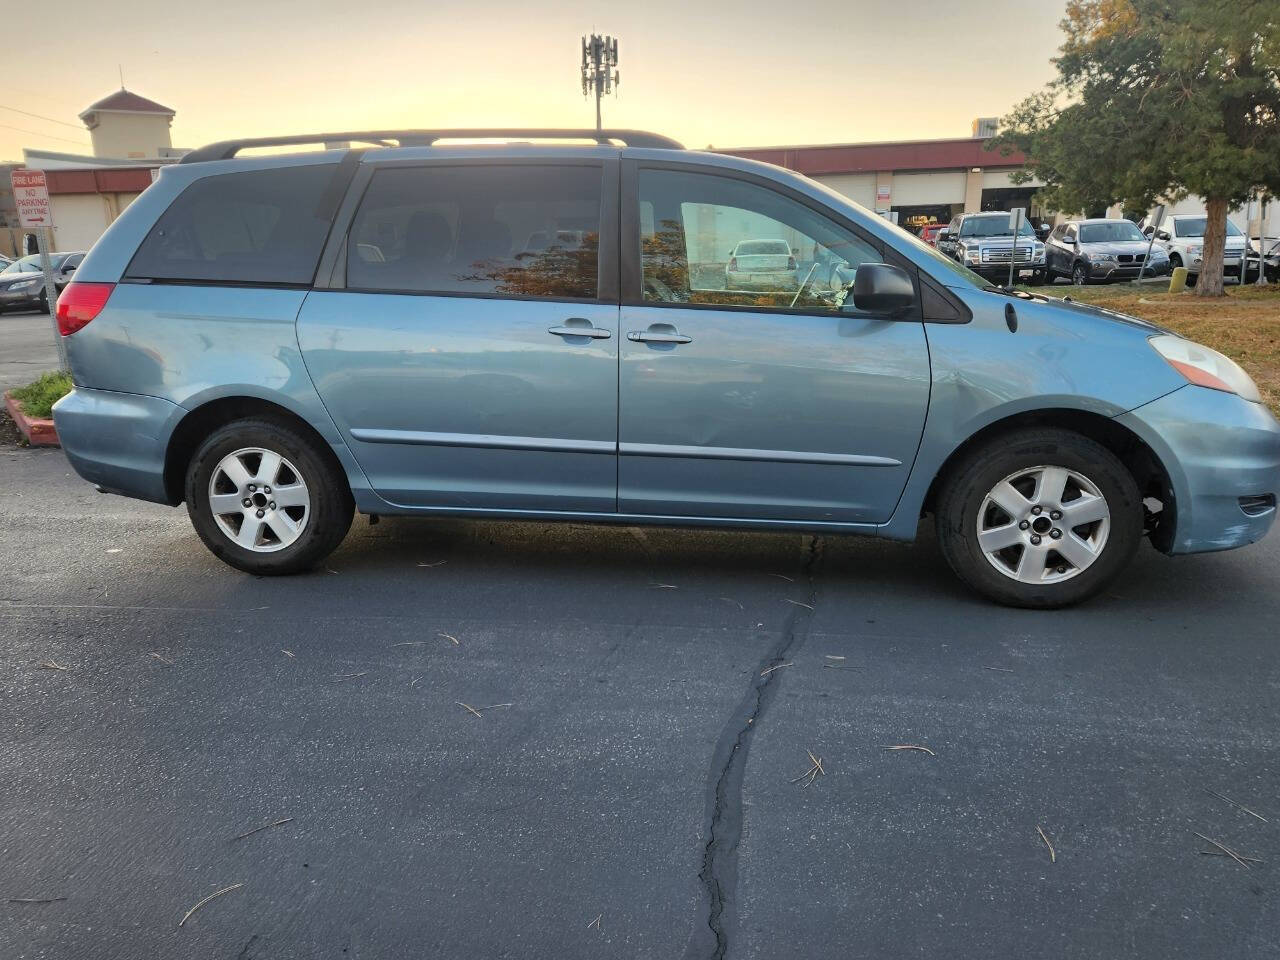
x=646, y=701
x=27, y=347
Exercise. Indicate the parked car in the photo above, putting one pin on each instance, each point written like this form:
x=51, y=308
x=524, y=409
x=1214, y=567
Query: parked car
x=929, y=233
x=761, y=265
x=1182, y=237
x=983, y=242
x=1270, y=247
x=22, y=281
x=276, y=379
x=1102, y=251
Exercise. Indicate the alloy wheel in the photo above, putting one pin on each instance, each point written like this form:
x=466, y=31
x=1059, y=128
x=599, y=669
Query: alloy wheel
x=1078, y=275
x=259, y=499
x=1043, y=524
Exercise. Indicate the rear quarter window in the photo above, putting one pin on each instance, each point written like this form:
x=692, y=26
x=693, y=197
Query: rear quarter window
x=260, y=226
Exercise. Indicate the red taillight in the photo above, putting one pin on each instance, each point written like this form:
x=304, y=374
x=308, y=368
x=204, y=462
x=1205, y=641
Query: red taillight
x=791, y=263
x=733, y=264
x=79, y=303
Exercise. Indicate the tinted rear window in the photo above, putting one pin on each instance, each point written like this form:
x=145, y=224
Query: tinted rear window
x=255, y=227
x=751, y=248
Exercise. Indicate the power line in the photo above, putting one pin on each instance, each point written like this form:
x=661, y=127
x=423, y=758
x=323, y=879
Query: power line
x=47, y=136
x=38, y=116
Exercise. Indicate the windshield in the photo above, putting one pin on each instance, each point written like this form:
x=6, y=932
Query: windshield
x=1116, y=231
x=993, y=227
x=749, y=248
x=1195, y=228
x=29, y=264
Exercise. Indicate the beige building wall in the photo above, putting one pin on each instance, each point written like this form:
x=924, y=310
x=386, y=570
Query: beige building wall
x=130, y=135
x=79, y=219
x=858, y=187
x=920, y=189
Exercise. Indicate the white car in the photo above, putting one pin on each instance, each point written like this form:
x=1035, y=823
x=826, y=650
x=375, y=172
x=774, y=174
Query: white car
x=1182, y=236
x=761, y=265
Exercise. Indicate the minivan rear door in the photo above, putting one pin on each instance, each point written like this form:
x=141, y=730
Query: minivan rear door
x=466, y=343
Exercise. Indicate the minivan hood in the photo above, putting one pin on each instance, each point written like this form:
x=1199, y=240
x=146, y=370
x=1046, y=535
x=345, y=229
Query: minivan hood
x=1101, y=313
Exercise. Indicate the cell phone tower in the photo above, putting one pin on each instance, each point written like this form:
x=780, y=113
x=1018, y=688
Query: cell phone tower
x=599, y=68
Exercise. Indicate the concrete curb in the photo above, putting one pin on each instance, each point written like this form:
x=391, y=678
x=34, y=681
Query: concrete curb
x=39, y=432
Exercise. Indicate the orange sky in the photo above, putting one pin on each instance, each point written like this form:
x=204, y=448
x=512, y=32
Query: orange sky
x=727, y=73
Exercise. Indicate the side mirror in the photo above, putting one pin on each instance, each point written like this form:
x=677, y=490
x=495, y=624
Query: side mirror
x=882, y=288
x=70, y=269
x=944, y=234
x=1162, y=235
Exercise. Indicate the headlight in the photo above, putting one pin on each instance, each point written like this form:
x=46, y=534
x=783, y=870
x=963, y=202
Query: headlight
x=1039, y=249
x=1205, y=367
x=24, y=284
x=1099, y=257
x=972, y=253
x=1194, y=251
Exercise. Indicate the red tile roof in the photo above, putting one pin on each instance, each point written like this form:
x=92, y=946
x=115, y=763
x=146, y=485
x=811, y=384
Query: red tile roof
x=124, y=100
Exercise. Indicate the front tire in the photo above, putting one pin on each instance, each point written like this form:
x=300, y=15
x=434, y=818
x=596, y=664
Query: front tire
x=266, y=499
x=1039, y=518
x=1079, y=275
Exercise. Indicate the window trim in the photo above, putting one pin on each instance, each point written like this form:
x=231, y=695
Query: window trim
x=332, y=274
x=632, y=278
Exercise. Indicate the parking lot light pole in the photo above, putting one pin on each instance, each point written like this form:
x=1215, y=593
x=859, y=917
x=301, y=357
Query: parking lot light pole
x=1146, y=258
x=51, y=295
x=1015, y=221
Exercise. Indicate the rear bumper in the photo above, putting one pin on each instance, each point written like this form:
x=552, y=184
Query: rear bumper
x=117, y=441
x=1220, y=451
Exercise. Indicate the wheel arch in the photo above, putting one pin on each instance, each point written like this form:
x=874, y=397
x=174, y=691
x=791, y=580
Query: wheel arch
x=1143, y=463
x=200, y=421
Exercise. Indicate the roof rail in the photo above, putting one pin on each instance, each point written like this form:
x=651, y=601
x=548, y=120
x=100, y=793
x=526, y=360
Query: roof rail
x=226, y=149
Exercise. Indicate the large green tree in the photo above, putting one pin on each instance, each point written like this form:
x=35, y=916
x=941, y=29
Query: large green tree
x=1158, y=99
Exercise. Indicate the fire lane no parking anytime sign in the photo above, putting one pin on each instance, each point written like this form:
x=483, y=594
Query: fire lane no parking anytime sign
x=31, y=197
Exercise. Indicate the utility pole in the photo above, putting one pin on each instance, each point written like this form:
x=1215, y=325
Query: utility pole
x=599, y=68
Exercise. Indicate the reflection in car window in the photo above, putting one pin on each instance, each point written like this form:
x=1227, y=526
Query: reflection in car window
x=1115, y=232
x=706, y=239
x=27, y=264
x=508, y=230
x=994, y=227
x=1194, y=227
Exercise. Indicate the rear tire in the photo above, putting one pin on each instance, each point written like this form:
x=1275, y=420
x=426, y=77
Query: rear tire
x=241, y=462
x=1019, y=469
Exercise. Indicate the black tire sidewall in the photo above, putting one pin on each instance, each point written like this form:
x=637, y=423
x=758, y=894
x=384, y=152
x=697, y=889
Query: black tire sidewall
x=331, y=504
x=967, y=486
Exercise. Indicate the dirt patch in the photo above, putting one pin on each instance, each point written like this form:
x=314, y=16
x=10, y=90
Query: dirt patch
x=10, y=435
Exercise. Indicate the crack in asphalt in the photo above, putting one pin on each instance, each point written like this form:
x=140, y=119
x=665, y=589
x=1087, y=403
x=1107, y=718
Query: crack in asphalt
x=719, y=873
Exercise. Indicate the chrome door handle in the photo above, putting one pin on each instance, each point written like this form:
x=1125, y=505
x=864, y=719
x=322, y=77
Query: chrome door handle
x=582, y=328
x=657, y=336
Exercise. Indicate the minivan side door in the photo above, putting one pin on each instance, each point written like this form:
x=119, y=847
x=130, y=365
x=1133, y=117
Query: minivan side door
x=466, y=339
x=768, y=403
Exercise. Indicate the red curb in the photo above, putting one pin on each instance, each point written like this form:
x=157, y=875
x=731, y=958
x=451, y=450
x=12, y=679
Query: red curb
x=38, y=431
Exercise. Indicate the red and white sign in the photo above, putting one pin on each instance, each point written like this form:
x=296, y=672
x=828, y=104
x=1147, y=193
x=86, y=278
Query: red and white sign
x=31, y=197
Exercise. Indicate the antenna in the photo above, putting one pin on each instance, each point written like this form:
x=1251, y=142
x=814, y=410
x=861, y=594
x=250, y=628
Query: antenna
x=599, y=68
x=120, y=67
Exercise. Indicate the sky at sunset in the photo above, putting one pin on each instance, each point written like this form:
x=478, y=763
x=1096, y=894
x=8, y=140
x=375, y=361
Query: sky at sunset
x=740, y=73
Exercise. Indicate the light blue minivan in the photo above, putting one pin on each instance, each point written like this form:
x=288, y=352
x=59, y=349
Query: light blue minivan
x=542, y=329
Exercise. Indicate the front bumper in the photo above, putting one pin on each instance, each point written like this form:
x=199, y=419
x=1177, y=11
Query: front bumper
x=1112, y=270
x=117, y=441
x=784, y=280
x=21, y=299
x=1222, y=454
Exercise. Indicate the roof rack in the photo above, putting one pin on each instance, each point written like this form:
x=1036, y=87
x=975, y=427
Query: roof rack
x=226, y=149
